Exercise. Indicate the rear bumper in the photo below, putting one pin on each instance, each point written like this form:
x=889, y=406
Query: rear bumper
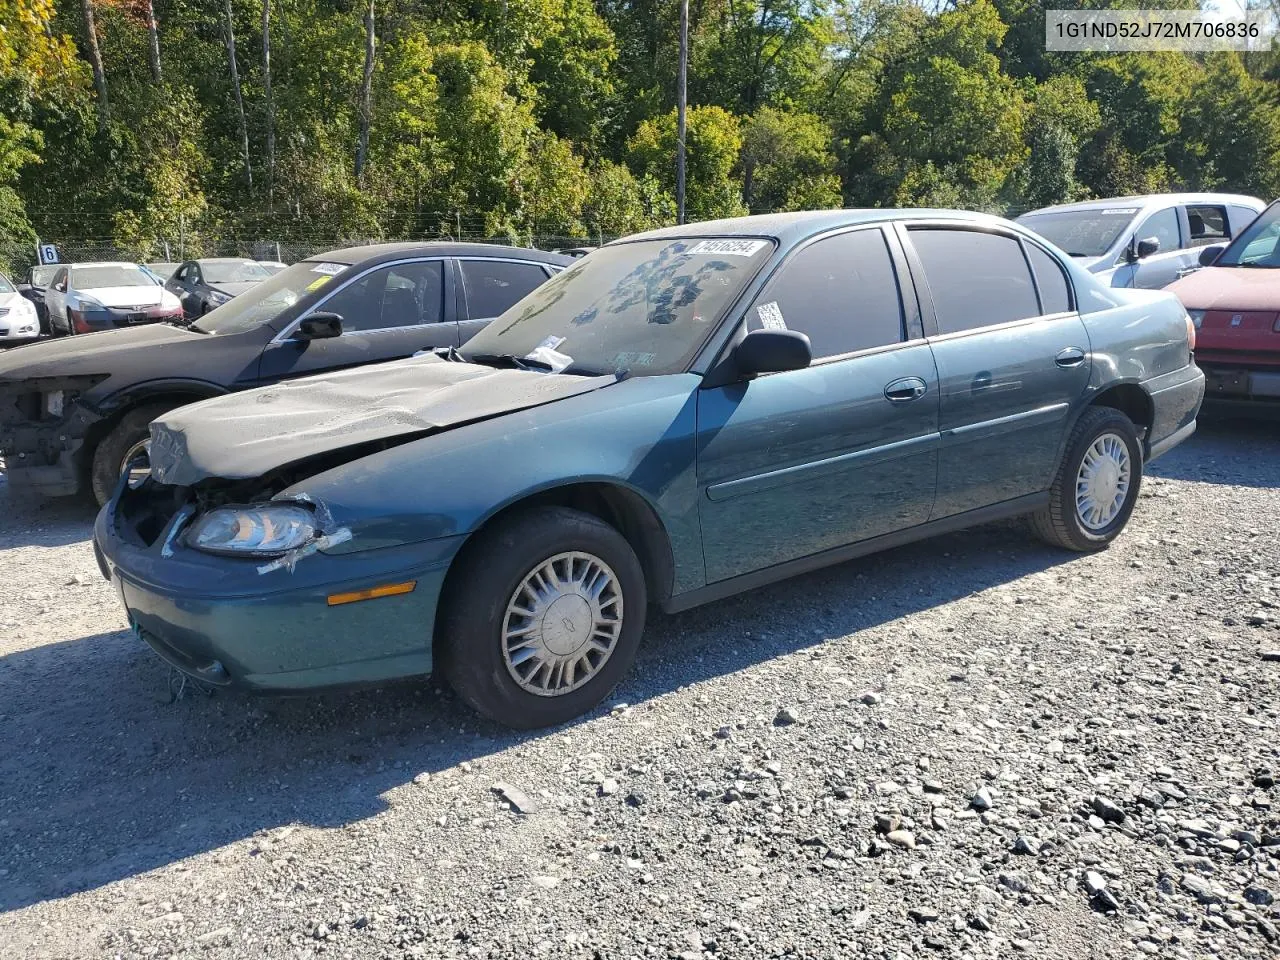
x=218, y=619
x=1175, y=398
x=1242, y=382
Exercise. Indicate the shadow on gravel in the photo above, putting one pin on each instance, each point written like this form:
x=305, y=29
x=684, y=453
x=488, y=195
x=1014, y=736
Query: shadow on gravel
x=52, y=522
x=102, y=779
x=1236, y=452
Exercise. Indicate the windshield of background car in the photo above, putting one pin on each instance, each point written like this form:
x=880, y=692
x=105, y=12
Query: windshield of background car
x=5, y=285
x=1081, y=233
x=42, y=276
x=268, y=299
x=124, y=275
x=1256, y=245
x=245, y=272
x=643, y=308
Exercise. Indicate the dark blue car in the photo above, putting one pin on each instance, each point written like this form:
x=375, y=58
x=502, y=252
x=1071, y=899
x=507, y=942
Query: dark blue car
x=679, y=416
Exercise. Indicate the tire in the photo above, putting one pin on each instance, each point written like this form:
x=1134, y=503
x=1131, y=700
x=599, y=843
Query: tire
x=108, y=456
x=470, y=650
x=1061, y=523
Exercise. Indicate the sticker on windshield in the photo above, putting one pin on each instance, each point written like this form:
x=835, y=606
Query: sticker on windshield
x=1119, y=211
x=732, y=248
x=551, y=342
x=770, y=315
x=317, y=283
x=329, y=269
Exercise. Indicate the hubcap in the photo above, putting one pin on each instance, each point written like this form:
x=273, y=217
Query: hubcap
x=137, y=463
x=562, y=624
x=1102, y=483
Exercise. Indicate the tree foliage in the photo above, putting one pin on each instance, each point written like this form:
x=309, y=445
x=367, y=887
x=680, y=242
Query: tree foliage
x=538, y=119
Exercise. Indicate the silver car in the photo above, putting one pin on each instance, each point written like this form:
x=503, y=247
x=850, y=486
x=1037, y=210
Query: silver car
x=1143, y=241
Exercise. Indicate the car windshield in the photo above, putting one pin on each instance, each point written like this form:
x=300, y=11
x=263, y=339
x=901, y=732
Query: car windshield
x=1081, y=233
x=268, y=299
x=243, y=271
x=110, y=275
x=644, y=308
x=5, y=285
x=41, y=276
x=1256, y=245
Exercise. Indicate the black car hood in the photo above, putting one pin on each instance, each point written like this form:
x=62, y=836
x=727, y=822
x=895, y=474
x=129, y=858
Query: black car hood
x=234, y=289
x=250, y=434
x=86, y=353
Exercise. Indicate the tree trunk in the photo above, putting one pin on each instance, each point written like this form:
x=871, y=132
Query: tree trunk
x=95, y=61
x=270, y=102
x=235, y=89
x=153, y=42
x=366, y=95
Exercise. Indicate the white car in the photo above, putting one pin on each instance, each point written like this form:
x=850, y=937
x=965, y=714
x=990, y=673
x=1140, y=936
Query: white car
x=85, y=297
x=18, y=319
x=1143, y=241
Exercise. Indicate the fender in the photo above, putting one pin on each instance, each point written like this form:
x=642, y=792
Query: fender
x=147, y=390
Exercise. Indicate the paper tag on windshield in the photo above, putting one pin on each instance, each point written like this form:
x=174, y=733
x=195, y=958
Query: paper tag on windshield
x=329, y=269
x=1119, y=211
x=551, y=342
x=550, y=356
x=771, y=316
x=732, y=248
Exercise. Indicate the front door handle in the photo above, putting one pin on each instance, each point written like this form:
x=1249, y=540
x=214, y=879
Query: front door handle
x=905, y=390
x=1069, y=357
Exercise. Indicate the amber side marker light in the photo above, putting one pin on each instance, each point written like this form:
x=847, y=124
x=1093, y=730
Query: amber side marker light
x=373, y=593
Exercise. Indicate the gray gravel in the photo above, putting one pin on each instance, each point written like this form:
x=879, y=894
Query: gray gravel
x=975, y=747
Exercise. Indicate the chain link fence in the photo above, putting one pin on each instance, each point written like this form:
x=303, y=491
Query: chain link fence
x=16, y=257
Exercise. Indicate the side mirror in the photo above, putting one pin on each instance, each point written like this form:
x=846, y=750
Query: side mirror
x=319, y=326
x=23, y=288
x=1141, y=249
x=772, y=351
x=1209, y=255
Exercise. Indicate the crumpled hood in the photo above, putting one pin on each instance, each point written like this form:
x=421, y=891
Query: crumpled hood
x=249, y=434
x=86, y=353
x=1229, y=288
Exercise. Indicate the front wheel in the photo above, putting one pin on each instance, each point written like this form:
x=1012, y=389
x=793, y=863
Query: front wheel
x=544, y=619
x=128, y=445
x=1096, y=487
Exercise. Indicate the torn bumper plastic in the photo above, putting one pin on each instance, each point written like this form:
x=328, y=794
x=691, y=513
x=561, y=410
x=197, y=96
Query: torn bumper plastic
x=219, y=619
x=42, y=433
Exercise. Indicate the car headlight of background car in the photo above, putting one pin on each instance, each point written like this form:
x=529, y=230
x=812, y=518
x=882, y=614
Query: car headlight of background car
x=253, y=531
x=1197, y=317
x=217, y=298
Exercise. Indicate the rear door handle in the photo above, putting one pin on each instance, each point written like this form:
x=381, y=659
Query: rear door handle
x=905, y=390
x=1070, y=357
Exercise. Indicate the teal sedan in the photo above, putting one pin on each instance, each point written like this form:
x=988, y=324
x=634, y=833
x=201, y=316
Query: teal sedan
x=679, y=416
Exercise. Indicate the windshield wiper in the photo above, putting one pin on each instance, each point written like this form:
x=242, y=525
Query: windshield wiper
x=1249, y=263
x=520, y=363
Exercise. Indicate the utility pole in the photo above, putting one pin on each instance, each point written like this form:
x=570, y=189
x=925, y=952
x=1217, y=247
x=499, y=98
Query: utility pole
x=682, y=97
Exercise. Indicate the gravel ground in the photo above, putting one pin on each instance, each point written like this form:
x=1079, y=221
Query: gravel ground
x=974, y=747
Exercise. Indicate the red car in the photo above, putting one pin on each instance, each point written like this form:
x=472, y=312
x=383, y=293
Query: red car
x=1234, y=302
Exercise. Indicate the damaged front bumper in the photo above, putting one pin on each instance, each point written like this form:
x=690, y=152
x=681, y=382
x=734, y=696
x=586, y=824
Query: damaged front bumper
x=238, y=621
x=43, y=427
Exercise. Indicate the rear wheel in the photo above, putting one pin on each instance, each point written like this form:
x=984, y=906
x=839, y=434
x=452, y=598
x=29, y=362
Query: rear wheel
x=128, y=442
x=544, y=619
x=1097, y=483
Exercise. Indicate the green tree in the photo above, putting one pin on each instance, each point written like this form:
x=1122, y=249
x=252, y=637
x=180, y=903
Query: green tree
x=713, y=142
x=1231, y=131
x=787, y=162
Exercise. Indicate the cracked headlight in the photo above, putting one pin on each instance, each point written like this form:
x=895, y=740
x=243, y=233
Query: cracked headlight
x=257, y=531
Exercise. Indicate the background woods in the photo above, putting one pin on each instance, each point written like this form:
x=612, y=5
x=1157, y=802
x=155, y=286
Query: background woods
x=136, y=122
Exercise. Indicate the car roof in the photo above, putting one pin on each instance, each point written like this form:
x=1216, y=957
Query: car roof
x=1147, y=200
x=788, y=228
x=378, y=252
x=225, y=260
x=99, y=263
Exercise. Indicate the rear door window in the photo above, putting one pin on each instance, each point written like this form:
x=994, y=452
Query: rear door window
x=842, y=292
x=976, y=279
x=1055, y=291
x=492, y=286
x=1208, y=225
x=1240, y=217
